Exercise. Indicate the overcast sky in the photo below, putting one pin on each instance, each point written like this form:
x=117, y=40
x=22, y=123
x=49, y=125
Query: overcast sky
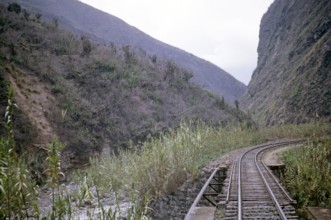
x=224, y=32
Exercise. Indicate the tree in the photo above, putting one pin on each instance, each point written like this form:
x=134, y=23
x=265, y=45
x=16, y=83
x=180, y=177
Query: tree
x=55, y=22
x=26, y=14
x=14, y=7
x=222, y=101
x=87, y=46
x=38, y=16
x=128, y=54
x=236, y=103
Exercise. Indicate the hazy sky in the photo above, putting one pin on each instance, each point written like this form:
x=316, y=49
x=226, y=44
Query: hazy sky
x=224, y=32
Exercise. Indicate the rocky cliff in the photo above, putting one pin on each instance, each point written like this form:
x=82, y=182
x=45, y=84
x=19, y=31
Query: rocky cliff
x=292, y=81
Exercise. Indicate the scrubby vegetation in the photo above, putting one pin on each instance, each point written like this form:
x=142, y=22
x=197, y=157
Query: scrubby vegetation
x=162, y=164
x=93, y=97
x=141, y=175
x=308, y=173
x=160, y=127
x=111, y=94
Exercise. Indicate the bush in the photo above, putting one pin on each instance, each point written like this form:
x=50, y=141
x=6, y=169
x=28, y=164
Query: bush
x=38, y=16
x=57, y=89
x=26, y=14
x=87, y=46
x=14, y=7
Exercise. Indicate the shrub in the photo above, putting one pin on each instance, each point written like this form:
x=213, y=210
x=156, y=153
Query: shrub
x=236, y=103
x=87, y=46
x=38, y=16
x=26, y=14
x=14, y=7
x=57, y=89
x=3, y=21
x=129, y=54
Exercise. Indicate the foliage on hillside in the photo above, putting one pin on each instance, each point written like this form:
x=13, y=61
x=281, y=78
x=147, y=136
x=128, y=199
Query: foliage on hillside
x=81, y=18
x=95, y=97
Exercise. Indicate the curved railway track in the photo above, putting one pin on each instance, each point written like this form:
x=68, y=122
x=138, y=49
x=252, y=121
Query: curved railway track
x=252, y=191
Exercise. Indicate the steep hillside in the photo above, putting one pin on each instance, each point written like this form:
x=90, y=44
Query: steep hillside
x=292, y=82
x=93, y=97
x=82, y=18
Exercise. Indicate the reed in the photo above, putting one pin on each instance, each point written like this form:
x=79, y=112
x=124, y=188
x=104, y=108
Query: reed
x=164, y=163
x=308, y=173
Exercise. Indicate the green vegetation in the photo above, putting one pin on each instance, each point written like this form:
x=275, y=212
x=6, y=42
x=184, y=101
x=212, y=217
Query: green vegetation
x=17, y=189
x=141, y=174
x=57, y=89
x=112, y=93
x=19, y=192
x=162, y=164
x=54, y=174
x=14, y=7
x=308, y=173
x=108, y=96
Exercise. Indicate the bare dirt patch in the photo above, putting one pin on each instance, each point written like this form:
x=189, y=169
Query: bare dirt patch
x=36, y=101
x=273, y=157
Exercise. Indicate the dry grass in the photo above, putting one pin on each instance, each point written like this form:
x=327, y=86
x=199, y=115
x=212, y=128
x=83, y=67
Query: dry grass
x=162, y=164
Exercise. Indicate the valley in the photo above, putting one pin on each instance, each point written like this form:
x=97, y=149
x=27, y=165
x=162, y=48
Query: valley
x=116, y=124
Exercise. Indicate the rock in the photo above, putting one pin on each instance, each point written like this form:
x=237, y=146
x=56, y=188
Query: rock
x=291, y=82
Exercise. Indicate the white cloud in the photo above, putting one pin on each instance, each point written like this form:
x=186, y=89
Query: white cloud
x=224, y=32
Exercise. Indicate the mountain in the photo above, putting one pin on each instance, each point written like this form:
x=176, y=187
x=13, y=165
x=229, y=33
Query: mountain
x=292, y=81
x=81, y=18
x=95, y=98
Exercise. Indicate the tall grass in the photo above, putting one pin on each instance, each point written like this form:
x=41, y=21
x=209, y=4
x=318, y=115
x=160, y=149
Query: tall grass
x=54, y=174
x=308, y=173
x=17, y=189
x=163, y=163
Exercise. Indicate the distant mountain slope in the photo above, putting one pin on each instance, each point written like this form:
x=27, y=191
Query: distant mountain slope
x=95, y=98
x=292, y=82
x=82, y=18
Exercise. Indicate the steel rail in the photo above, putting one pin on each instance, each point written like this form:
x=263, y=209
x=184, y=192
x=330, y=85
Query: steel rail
x=278, y=184
x=274, y=199
x=230, y=181
x=236, y=167
x=276, y=179
x=239, y=187
x=197, y=199
x=270, y=145
x=239, y=215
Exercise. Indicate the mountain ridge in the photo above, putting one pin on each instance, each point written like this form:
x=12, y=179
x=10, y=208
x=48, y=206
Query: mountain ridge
x=78, y=16
x=95, y=98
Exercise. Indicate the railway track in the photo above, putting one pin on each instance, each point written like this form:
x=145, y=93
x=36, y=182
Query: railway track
x=250, y=191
